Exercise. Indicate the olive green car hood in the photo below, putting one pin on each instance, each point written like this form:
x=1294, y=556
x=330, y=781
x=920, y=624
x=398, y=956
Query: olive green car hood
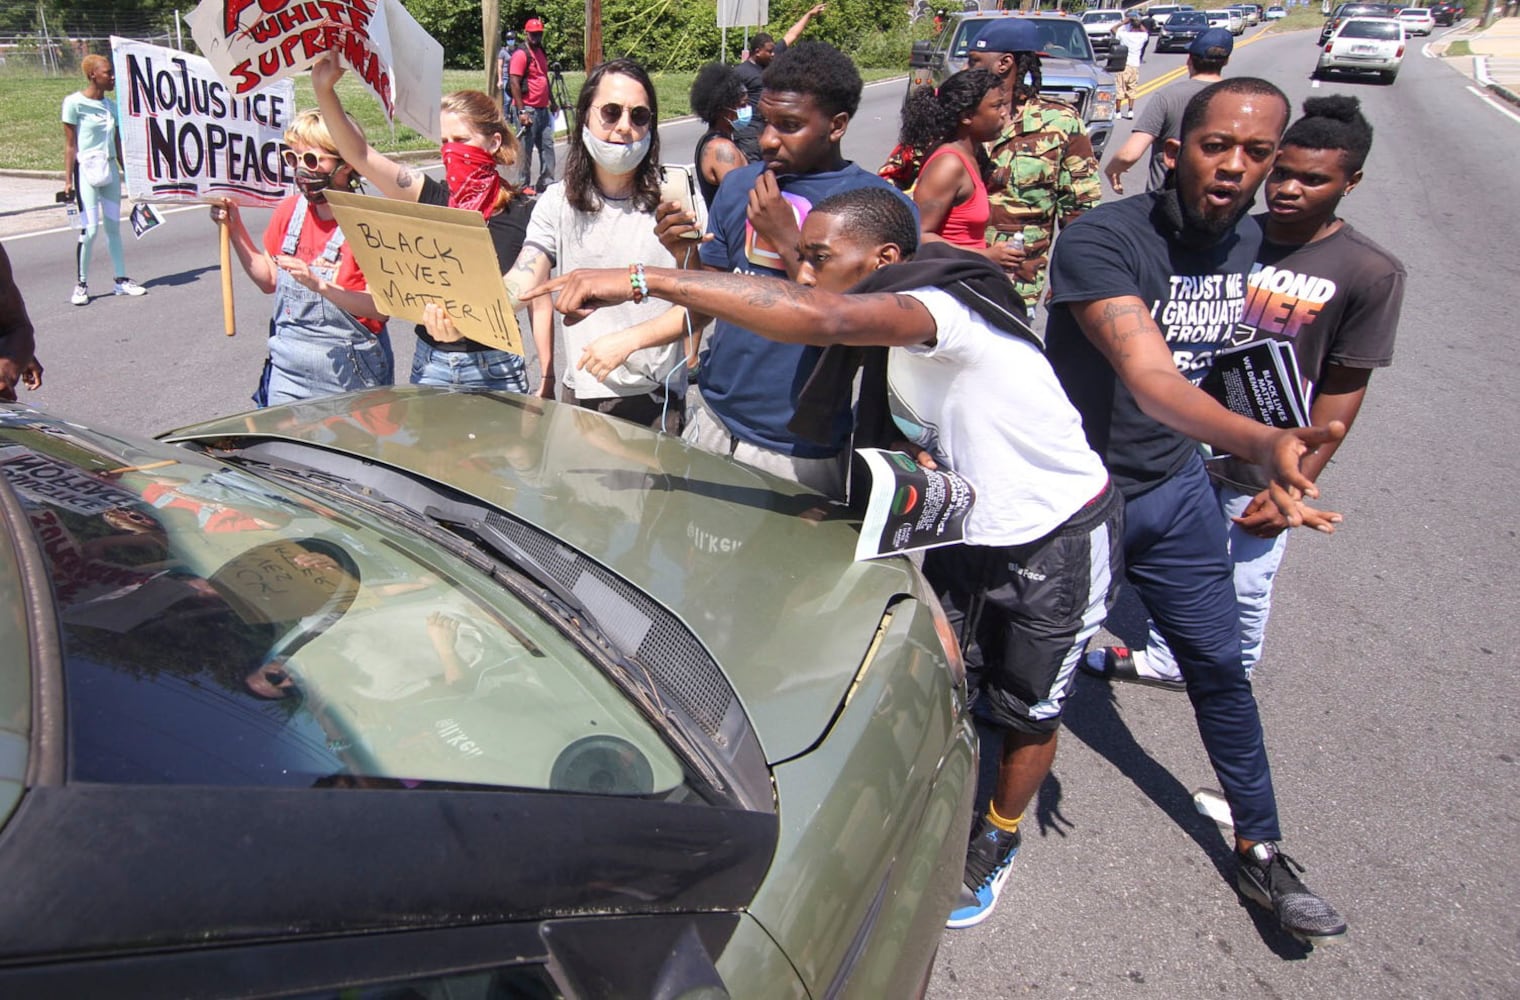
x=759, y=569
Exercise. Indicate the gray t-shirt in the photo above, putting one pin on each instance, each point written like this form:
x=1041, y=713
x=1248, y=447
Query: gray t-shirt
x=616, y=236
x=1162, y=118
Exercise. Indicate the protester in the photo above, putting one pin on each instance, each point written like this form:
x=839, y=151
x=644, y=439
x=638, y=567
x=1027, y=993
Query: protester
x=971, y=390
x=751, y=385
x=718, y=98
x=18, y=342
x=751, y=69
x=327, y=336
x=1333, y=294
x=601, y=213
x=949, y=184
x=1044, y=171
x=1162, y=118
x=477, y=146
x=528, y=82
x=1179, y=258
x=1132, y=35
x=92, y=167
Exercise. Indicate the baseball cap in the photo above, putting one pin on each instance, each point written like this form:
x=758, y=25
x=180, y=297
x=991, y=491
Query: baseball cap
x=1007, y=34
x=534, y=24
x=1216, y=43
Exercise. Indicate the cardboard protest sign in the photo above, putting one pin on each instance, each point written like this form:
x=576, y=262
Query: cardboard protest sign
x=254, y=42
x=414, y=254
x=186, y=137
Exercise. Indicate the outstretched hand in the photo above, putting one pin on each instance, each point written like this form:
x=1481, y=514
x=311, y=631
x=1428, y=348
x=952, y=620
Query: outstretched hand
x=1281, y=460
x=582, y=292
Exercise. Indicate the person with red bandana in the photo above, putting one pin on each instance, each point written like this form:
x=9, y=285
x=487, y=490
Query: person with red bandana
x=477, y=145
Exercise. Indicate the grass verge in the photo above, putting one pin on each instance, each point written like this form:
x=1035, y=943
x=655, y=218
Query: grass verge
x=31, y=135
x=1457, y=48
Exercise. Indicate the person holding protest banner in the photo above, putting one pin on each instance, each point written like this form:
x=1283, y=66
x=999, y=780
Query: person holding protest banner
x=603, y=214
x=327, y=336
x=92, y=169
x=477, y=144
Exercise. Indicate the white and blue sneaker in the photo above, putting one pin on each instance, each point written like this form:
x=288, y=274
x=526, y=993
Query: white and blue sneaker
x=989, y=859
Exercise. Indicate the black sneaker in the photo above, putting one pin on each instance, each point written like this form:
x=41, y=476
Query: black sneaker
x=989, y=858
x=1265, y=875
x=1116, y=663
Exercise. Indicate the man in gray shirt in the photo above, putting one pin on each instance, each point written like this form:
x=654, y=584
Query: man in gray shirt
x=1162, y=117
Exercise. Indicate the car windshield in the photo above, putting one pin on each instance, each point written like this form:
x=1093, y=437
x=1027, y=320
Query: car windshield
x=219, y=628
x=1188, y=19
x=1102, y=16
x=1217, y=16
x=1418, y=13
x=1061, y=38
x=1381, y=30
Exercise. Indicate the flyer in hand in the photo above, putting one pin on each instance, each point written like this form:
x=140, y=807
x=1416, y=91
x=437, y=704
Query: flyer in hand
x=1260, y=380
x=910, y=507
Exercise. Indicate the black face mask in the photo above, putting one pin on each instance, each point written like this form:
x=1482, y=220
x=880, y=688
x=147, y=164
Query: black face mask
x=313, y=184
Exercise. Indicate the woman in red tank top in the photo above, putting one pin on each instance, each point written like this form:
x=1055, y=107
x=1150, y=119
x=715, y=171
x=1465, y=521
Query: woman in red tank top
x=949, y=185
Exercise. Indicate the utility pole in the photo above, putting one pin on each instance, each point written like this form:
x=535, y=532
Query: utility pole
x=490, y=30
x=593, y=34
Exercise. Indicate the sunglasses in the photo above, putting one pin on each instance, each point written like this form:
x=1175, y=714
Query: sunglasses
x=308, y=159
x=639, y=116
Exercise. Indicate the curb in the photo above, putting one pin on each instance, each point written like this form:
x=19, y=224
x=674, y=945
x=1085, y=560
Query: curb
x=1480, y=73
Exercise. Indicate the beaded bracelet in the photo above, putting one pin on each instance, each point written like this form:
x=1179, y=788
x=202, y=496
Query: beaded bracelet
x=639, y=282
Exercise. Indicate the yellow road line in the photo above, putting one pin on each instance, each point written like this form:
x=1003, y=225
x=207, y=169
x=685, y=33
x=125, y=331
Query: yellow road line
x=1151, y=86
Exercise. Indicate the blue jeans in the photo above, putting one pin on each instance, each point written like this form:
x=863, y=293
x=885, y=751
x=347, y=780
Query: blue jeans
x=539, y=134
x=475, y=369
x=1255, y=561
x=1176, y=556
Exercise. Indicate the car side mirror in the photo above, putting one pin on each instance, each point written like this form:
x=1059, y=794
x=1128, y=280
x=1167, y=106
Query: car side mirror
x=919, y=57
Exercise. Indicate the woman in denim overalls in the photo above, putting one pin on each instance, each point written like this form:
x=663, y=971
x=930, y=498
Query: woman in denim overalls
x=327, y=335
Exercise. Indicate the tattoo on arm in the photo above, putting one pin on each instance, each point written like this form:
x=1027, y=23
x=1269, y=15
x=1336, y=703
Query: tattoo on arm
x=1120, y=324
x=405, y=177
x=727, y=154
x=527, y=261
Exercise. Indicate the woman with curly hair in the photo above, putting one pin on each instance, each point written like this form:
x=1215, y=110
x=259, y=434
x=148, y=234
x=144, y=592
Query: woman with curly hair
x=949, y=183
x=477, y=146
x=719, y=98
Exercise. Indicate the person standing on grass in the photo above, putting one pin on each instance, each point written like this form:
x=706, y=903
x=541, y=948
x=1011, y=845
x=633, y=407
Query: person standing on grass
x=92, y=173
x=528, y=81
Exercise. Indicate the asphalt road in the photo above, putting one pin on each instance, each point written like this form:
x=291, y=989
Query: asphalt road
x=1388, y=687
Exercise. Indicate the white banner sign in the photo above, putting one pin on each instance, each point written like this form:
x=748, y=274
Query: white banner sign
x=254, y=42
x=186, y=137
x=743, y=13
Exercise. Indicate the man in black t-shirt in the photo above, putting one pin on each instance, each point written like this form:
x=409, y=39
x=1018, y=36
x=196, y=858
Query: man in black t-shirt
x=1145, y=290
x=1334, y=295
x=762, y=49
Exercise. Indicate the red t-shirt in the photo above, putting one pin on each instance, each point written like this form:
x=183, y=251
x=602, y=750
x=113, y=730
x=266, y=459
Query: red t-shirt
x=314, y=236
x=535, y=75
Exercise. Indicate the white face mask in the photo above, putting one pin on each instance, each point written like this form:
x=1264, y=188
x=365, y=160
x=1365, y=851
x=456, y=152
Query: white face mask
x=614, y=158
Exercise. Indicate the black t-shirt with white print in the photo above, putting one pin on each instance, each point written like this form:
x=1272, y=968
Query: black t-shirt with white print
x=1196, y=297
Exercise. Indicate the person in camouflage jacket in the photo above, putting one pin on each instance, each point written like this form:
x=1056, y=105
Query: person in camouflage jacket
x=1044, y=170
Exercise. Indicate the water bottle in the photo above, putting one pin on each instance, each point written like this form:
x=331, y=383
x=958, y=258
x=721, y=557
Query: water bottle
x=1017, y=240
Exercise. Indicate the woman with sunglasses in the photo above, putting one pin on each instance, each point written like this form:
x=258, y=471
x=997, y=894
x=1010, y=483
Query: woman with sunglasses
x=477, y=145
x=327, y=335
x=603, y=215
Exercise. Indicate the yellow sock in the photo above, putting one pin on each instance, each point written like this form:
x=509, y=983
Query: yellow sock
x=1007, y=825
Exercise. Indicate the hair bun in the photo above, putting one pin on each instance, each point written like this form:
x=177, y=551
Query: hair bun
x=1340, y=107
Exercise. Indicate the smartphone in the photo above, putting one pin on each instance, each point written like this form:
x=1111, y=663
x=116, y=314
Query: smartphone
x=678, y=183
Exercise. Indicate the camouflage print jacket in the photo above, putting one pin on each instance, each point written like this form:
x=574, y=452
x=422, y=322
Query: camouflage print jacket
x=1044, y=173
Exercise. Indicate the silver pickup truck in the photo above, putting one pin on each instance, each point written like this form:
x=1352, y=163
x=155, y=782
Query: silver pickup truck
x=1069, y=72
